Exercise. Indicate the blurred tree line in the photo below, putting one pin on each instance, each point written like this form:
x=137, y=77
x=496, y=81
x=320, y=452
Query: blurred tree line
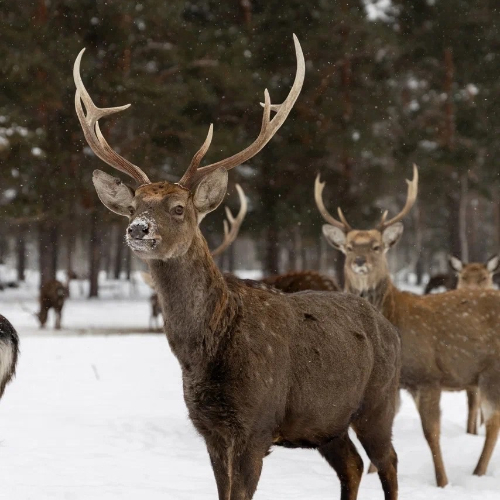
x=386, y=85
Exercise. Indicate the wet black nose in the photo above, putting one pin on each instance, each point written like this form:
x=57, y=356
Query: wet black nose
x=138, y=231
x=360, y=261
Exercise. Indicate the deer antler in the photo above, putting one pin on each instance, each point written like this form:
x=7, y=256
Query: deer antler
x=269, y=127
x=231, y=234
x=92, y=132
x=318, y=197
x=411, y=197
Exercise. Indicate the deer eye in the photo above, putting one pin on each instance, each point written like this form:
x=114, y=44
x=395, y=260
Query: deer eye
x=131, y=210
x=178, y=210
x=349, y=248
x=376, y=248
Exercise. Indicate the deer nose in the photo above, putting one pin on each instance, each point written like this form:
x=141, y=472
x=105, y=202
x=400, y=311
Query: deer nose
x=360, y=261
x=138, y=231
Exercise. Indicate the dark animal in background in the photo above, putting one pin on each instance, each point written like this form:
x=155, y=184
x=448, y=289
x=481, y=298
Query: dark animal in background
x=448, y=281
x=53, y=294
x=9, y=351
x=259, y=367
x=298, y=281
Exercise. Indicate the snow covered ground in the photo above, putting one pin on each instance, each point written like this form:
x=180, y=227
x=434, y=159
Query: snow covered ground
x=97, y=416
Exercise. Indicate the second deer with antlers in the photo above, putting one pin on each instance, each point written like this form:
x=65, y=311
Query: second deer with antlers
x=450, y=341
x=259, y=368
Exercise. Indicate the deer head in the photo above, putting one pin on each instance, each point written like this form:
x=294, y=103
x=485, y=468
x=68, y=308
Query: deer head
x=164, y=216
x=365, y=250
x=475, y=274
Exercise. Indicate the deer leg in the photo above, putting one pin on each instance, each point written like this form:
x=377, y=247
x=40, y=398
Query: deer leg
x=342, y=455
x=247, y=468
x=58, y=319
x=490, y=404
x=374, y=431
x=427, y=401
x=221, y=460
x=473, y=405
x=237, y=468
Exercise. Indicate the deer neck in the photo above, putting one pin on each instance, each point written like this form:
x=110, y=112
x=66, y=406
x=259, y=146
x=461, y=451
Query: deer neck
x=378, y=290
x=195, y=300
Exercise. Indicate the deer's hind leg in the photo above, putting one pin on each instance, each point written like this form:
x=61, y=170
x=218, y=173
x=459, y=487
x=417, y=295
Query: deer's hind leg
x=490, y=403
x=342, y=455
x=374, y=431
x=427, y=400
x=473, y=409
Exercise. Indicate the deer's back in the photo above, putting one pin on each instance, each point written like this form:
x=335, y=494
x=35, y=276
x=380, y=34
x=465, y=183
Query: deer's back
x=449, y=338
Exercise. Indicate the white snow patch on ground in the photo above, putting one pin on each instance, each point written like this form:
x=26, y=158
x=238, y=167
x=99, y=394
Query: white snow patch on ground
x=102, y=417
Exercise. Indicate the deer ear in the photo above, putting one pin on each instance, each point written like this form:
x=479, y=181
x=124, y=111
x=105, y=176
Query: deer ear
x=391, y=235
x=493, y=264
x=115, y=195
x=335, y=236
x=210, y=192
x=455, y=264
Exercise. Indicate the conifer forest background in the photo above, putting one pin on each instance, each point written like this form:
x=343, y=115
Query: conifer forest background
x=388, y=84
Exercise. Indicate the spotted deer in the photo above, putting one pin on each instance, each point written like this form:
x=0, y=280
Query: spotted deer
x=474, y=275
x=450, y=341
x=259, y=368
x=231, y=226
x=53, y=294
x=9, y=351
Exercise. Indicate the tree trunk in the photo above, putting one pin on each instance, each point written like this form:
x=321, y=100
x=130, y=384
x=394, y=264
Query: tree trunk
x=119, y=244
x=47, y=251
x=94, y=256
x=464, y=246
x=271, y=250
x=128, y=263
x=21, y=254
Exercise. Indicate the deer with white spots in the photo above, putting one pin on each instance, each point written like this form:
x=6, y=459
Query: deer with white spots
x=259, y=367
x=450, y=341
x=474, y=275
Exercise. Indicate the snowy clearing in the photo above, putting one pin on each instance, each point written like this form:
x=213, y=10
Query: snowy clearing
x=102, y=417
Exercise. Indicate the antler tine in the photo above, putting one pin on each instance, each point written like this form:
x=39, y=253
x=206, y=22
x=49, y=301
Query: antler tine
x=235, y=222
x=195, y=162
x=318, y=197
x=411, y=197
x=344, y=220
x=92, y=132
x=269, y=126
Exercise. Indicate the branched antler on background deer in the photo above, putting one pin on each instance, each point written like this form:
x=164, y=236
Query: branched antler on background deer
x=260, y=368
x=450, y=341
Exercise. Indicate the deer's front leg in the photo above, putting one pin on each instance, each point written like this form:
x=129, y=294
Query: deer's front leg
x=221, y=458
x=237, y=468
x=427, y=401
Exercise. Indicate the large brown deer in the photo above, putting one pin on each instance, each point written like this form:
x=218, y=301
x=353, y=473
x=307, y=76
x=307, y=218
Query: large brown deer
x=9, y=351
x=474, y=275
x=450, y=341
x=260, y=368
x=53, y=294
